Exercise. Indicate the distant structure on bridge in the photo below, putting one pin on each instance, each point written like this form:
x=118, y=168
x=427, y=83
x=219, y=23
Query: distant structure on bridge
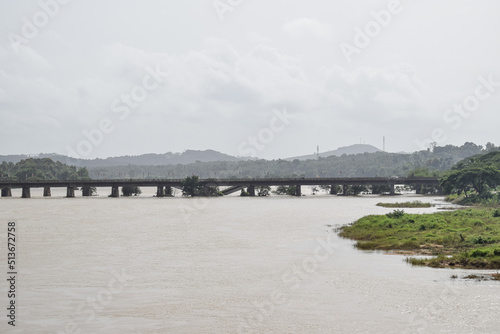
x=164, y=186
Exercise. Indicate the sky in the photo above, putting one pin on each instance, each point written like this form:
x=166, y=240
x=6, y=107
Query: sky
x=262, y=78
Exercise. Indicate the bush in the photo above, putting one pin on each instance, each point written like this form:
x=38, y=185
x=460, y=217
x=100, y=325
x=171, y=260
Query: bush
x=263, y=190
x=396, y=214
x=479, y=253
x=496, y=213
x=285, y=190
x=480, y=240
x=131, y=190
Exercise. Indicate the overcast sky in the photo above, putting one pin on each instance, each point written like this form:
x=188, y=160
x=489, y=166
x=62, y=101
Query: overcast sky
x=266, y=78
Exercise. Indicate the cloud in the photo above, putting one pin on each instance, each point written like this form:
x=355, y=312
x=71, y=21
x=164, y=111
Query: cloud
x=215, y=91
x=255, y=38
x=206, y=88
x=306, y=28
x=384, y=92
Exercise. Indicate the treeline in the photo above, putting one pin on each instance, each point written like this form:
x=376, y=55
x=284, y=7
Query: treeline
x=380, y=164
x=41, y=169
x=477, y=178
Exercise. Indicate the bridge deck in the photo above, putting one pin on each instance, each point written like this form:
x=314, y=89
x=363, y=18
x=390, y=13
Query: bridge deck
x=222, y=182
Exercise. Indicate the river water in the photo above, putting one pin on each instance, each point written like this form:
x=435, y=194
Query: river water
x=224, y=265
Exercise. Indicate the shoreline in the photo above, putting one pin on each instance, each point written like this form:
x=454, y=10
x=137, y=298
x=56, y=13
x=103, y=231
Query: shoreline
x=468, y=238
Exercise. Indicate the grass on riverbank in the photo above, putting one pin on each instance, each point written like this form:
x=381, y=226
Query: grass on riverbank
x=468, y=238
x=414, y=204
x=473, y=199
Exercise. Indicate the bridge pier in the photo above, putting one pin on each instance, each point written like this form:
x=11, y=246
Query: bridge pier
x=418, y=189
x=159, y=191
x=333, y=190
x=26, y=192
x=393, y=192
x=115, y=191
x=206, y=190
x=47, y=192
x=298, y=190
x=6, y=192
x=70, y=192
x=345, y=189
x=86, y=191
x=251, y=190
x=168, y=191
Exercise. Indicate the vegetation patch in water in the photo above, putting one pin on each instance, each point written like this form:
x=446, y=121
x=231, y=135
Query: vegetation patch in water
x=414, y=204
x=467, y=238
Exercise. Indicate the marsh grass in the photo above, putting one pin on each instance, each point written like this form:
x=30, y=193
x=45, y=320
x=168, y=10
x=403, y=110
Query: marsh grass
x=468, y=238
x=414, y=204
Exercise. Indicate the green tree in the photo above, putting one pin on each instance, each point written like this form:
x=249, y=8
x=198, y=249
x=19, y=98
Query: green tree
x=380, y=189
x=357, y=189
x=325, y=187
x=285, y=190
x=42, y=169
x=478, y=177
x=191, y=186
x=130, y=190
x=263, y=191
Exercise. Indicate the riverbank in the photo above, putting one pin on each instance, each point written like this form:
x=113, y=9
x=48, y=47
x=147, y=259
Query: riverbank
x=465, y=238
x=414, y=204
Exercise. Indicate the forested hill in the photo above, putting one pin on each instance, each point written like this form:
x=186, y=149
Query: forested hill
x=41, y=169
x=429, y=162
x=357, y=165
x=352, y=149
x=151, y=159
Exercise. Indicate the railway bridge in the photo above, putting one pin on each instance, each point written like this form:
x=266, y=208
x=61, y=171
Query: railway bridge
x=164, y=186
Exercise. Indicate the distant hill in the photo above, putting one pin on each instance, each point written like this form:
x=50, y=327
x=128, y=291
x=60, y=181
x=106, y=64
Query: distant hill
x=352, y=149
x=151, y=159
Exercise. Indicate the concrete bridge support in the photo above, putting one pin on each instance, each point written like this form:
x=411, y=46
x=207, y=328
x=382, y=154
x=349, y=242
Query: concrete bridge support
x=168, y=191
x=47, y=192
x=333, y=189
x=418, y=189
x=345, y=189
x=26, y=192
x=393, y=192
x=115, y=191
x=86, y=191
x=206, y=190
x=70, y=192
x=251, y=190
x=159, y=191
x=6, y=192
x=298, y=190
